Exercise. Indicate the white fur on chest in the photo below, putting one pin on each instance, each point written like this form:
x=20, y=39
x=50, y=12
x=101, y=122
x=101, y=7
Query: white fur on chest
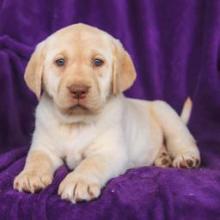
x=70, y=142
x=66, y=141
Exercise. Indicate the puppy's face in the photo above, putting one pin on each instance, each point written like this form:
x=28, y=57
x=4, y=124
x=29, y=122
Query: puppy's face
x=80, y=67
x=78, y=70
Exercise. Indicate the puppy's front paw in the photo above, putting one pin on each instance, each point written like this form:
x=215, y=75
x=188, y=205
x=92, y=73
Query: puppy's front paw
x=32, y=181
x=186, y=160
x=76, y=188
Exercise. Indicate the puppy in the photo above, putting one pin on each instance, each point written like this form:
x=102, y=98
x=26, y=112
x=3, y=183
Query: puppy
x=79, y=74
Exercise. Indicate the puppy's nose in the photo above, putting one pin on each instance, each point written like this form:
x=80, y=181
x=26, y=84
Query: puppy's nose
x=79, y=91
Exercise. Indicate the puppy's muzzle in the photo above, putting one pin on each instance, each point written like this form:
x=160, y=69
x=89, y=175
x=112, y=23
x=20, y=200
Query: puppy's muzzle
x=78, y=91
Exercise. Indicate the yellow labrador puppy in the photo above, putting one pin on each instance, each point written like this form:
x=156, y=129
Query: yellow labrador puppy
x=83, y=119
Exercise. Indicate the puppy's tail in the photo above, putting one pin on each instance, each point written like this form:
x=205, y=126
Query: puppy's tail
x=186, y=111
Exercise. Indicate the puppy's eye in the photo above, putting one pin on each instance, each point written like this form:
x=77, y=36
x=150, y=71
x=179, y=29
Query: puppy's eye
x=60, y=62
x=98, y=62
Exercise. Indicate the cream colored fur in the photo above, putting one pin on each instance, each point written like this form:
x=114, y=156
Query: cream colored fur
x=112, y=134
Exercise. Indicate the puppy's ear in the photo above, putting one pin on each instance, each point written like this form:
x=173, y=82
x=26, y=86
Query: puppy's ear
x=34, y=70
x=124, y=72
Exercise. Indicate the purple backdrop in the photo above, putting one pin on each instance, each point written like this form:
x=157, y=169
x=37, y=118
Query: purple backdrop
x=175, y=48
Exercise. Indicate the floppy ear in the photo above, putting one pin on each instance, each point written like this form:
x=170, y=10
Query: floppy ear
x=34, y=70
x=124, y=72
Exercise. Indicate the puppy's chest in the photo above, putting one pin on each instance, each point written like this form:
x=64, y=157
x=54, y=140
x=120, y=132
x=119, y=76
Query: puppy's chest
x=71, y=142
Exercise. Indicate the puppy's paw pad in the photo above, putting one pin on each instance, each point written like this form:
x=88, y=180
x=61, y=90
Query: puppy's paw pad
x=29, y=181
x=163, y=160
x=186, y=161
x=77, y=189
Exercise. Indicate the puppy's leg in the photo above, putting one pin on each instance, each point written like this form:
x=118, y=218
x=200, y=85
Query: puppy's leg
x=86, y=181
x=37, y=173
x=105, y=159
x=180, y=143
x=163, y=158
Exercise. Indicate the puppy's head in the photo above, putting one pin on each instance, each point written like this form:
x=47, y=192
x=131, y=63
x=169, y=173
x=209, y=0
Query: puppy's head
x=80, y=67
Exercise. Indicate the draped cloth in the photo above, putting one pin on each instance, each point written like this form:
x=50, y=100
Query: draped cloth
x=175, y=48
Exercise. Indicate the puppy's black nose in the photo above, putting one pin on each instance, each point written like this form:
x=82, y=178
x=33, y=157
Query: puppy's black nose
x=79, y=91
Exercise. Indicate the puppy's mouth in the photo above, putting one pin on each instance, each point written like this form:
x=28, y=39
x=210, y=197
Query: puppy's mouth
x=76, y=109
x=78, y=106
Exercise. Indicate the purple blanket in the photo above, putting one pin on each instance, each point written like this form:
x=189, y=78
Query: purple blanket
x=175, y=48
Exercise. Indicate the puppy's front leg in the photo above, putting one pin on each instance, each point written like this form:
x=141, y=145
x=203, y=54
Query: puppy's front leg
x=86, y=181
x=37, y=173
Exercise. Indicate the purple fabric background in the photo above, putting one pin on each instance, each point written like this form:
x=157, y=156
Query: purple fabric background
x=175, y=48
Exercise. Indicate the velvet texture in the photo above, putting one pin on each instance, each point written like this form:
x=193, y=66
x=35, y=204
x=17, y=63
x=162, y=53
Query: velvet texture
x=175, y=48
